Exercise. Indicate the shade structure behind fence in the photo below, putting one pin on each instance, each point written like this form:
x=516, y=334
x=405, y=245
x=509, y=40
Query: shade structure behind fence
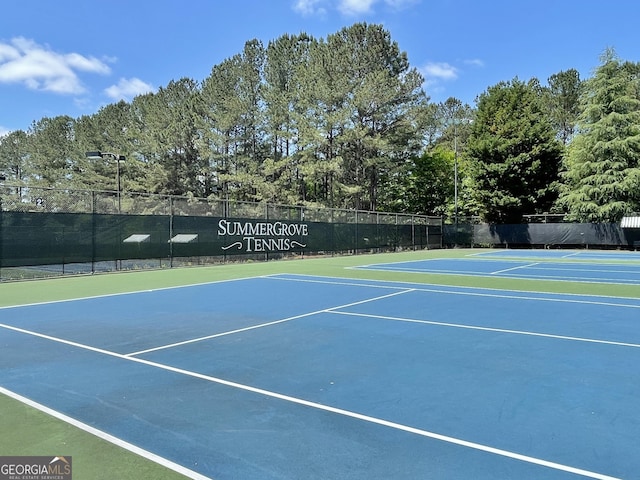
x=543, y=235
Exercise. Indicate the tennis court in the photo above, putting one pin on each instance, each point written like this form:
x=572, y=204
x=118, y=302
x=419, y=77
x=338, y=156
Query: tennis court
x=560, y=265
x=588, y=255
x=294, y=376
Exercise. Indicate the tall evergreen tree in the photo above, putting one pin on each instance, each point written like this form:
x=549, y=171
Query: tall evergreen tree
x=564, y=102
x=381, y=95
x=232, y=124
x=602, y=180
x=108, y=130
x=54, y=155
x=220, y=122
x=431, y=183
x=165, y=125
x=513, y=153
x=249, y=177
x=320, y=118
x=453, y=125
x=286, y=58
x=14, y=156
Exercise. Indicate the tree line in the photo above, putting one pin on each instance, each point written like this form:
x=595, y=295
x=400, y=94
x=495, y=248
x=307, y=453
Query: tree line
x=344, y=122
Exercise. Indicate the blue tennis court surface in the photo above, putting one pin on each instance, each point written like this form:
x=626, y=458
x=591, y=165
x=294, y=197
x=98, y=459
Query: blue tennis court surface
x=290, y=377
x=531, y=264
x=597, y=255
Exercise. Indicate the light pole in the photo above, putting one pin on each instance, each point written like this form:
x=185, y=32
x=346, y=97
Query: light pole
x=118, y=158
x=455, y=177
x=456, y=120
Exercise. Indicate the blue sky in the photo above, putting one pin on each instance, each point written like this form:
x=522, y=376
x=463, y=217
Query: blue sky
x=71, y=57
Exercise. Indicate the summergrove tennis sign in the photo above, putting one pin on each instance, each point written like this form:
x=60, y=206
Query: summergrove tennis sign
x=254, y=236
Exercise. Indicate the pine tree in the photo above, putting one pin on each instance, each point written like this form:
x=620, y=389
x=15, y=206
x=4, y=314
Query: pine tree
x=514, y=157
x=602, y=178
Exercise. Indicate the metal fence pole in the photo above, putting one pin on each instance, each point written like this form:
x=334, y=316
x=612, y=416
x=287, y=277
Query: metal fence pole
x=1, y=239
x=170, y=232
x=93, y=232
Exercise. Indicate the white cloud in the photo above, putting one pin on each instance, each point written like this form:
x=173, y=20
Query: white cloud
x=400, y=4
x=90, y=64
x=40, y=68
x=439, y=71
x=474, y=62
x=355, y=7
x=8, y=52
x=4, y=131
x=346, y=7
x=127, y=88
x=309, y=7
x=435, y=73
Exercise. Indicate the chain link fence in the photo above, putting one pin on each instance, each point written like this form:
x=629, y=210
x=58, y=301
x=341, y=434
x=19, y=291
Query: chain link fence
x=47, y=232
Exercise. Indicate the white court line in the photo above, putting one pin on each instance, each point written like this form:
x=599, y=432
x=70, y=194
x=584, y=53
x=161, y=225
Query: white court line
x=490, y=329
x=480, y=254
x=327, y=408
x=514, y=268
x=263, y=325
x=577, y=279
x=133, y=292
x=579, y=268
x=105, y=436
x=312, y=279
x=458, y=273
x=464, y=291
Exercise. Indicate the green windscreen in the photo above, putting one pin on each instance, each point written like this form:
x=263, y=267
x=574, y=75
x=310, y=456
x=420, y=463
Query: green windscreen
x=39, y=238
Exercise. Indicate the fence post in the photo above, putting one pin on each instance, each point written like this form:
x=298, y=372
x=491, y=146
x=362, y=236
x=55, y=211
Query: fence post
x=1, y=239
x=93, y=231
x=170, y=231
x=413, y=233
x=355, y=250
x=333, y=234
x=426, y=232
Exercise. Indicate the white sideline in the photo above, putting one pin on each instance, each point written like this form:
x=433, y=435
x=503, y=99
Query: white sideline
x=105, y=436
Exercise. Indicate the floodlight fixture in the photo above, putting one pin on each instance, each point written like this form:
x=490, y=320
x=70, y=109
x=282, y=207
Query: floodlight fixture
x=97, y=155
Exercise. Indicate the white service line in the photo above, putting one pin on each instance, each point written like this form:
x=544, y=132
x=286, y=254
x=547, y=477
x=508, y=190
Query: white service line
x=514, y=268
x=477, y=291
x=263, y=325
x=491, y=329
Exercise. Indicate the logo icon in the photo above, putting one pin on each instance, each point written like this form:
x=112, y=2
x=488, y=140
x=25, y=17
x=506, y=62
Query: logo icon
x=35, y=468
